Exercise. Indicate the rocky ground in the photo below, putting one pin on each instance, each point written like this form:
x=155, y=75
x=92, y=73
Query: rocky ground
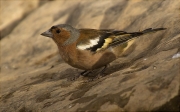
x=34, y=78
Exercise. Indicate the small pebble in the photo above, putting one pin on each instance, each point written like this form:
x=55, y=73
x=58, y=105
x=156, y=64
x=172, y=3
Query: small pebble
x=154, y=67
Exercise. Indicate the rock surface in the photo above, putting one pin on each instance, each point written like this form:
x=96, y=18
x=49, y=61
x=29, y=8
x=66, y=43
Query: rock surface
x=12, y=12
x=34, y=77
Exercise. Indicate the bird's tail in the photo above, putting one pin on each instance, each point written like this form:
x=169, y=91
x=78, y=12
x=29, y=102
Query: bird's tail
x=150, y=30
x=146, y=31
x=122, y=37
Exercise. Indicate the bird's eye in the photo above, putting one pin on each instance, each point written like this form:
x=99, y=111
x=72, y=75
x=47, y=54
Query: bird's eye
x=58, y=31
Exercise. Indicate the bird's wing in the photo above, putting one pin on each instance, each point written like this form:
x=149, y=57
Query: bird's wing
x=93, y=40
x=97, y=40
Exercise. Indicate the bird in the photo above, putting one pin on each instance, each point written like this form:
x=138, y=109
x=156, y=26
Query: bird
x=89, y=49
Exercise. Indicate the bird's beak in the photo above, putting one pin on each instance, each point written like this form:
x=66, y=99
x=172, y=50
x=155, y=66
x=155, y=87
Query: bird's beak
x=47, y=34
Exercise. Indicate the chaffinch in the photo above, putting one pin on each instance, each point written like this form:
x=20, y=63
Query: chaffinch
x=90, y=49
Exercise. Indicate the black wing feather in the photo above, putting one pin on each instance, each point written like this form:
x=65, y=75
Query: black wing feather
x=100, y=42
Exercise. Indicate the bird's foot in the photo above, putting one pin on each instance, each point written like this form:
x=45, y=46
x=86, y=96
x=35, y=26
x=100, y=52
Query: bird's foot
x=99, y=75
x=84, y=73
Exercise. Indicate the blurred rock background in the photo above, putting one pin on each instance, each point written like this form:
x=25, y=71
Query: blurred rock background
x=34, y=78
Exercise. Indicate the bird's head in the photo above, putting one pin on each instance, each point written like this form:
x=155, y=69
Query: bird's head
x=62, y=34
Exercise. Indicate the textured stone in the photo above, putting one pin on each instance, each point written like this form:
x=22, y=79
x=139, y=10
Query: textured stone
x=146, y=78
x=12, y=12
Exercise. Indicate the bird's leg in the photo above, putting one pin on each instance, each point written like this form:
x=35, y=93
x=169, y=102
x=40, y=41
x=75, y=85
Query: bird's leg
x=85, y=73
x=82, y=73
x=100, y=74
x=103, y=70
